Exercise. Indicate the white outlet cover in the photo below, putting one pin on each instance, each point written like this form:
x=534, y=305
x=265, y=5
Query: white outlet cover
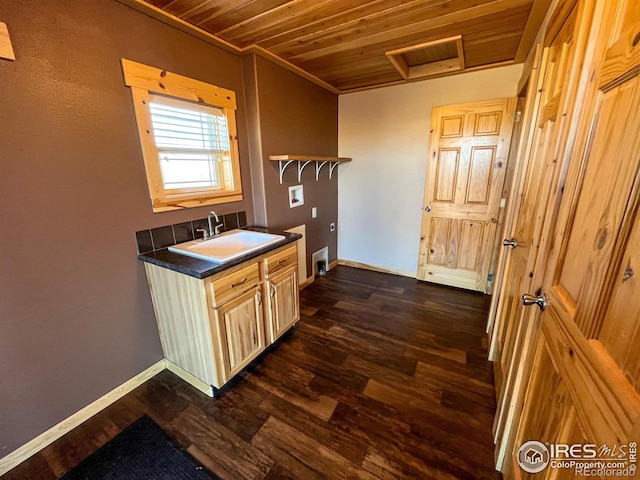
x=314, y=212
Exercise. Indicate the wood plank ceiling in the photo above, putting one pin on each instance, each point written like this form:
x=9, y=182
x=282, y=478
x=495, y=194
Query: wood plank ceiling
x=341, y=44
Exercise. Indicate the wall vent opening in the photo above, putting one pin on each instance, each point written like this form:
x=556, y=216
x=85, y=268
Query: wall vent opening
x=322, y=254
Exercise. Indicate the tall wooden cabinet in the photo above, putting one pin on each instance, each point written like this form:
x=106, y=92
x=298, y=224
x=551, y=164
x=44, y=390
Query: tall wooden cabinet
x=214, y=327
x=580, y=326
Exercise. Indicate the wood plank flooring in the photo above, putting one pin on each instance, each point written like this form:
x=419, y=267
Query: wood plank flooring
x=383, y=378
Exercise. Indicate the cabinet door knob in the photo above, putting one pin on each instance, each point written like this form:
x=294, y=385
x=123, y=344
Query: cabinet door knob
x=538, y=299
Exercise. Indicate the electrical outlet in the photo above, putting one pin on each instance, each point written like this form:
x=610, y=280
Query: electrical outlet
x=314, y=212
x=332, y=227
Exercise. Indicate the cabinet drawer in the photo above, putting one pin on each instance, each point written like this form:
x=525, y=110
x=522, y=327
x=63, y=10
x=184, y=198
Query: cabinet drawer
x=282, y=260
x=232, y=284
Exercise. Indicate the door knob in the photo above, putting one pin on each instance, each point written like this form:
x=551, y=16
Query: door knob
x=427, y=209
x=537, y=299
x=509, y=243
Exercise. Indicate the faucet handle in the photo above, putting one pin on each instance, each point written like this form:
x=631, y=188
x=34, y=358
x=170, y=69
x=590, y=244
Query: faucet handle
x=205, y=234
x=217, y=228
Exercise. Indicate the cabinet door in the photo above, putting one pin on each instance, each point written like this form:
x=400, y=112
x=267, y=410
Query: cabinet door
x=240, y=327
x=585, y=386
x=284, y=309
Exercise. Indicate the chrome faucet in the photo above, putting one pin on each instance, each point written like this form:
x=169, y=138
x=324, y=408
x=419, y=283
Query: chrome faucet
x=214, y=231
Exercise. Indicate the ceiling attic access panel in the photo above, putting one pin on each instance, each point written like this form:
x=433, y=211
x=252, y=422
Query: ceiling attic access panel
x=429, y=59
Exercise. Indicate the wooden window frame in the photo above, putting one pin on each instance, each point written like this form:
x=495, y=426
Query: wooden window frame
x=144, y=80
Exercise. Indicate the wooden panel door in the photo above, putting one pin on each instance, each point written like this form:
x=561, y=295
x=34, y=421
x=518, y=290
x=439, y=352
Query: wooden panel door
x=515, y=333
x=529, y=95
x=241, y=331
x=283, y=306
x=466, y=169
x=586, y=373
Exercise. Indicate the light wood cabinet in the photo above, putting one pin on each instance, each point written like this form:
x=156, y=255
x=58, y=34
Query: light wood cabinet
x=212, y=328
x=239, y=326
x=572, y=375
x=283, y=309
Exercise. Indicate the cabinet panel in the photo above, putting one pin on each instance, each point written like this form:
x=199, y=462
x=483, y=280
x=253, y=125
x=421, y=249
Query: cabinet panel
x=240, y=326
x=620, y=332
x=283, y=307
x=182, y=315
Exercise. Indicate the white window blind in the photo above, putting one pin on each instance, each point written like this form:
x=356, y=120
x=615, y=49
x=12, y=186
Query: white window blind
x=192, y=142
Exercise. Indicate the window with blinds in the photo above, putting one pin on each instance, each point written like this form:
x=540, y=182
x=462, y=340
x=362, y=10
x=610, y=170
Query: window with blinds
x=188, y=137
x=192, y=142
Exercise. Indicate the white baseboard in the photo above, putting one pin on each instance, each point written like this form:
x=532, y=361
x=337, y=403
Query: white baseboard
x=376, y=268
x=306, y=282
x=189, y=378
x=34, y=446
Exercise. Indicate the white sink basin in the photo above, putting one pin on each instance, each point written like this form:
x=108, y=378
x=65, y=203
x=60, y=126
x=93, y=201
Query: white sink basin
x=229, y=245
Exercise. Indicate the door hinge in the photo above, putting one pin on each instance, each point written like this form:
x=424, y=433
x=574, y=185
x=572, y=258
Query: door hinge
x=516, y=119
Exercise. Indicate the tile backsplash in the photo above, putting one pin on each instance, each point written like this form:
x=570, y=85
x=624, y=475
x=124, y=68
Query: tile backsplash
x=163, y=237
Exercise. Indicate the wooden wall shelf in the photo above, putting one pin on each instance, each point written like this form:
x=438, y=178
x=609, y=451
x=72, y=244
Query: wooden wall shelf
x=303, y=160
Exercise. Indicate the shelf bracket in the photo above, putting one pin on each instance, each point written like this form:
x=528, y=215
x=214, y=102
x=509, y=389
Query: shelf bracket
x=332, y=167
x=301, y=166
x=283, y=168
x=318, y=168
x=303, y=160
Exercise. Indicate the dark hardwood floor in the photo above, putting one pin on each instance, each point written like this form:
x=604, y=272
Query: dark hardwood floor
x=383, y=377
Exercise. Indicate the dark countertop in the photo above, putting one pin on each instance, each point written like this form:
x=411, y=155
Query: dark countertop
x=194, y=267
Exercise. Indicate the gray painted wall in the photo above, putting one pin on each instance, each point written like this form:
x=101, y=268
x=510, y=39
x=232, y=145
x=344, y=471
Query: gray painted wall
x=76, y=318
x=295, y=117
